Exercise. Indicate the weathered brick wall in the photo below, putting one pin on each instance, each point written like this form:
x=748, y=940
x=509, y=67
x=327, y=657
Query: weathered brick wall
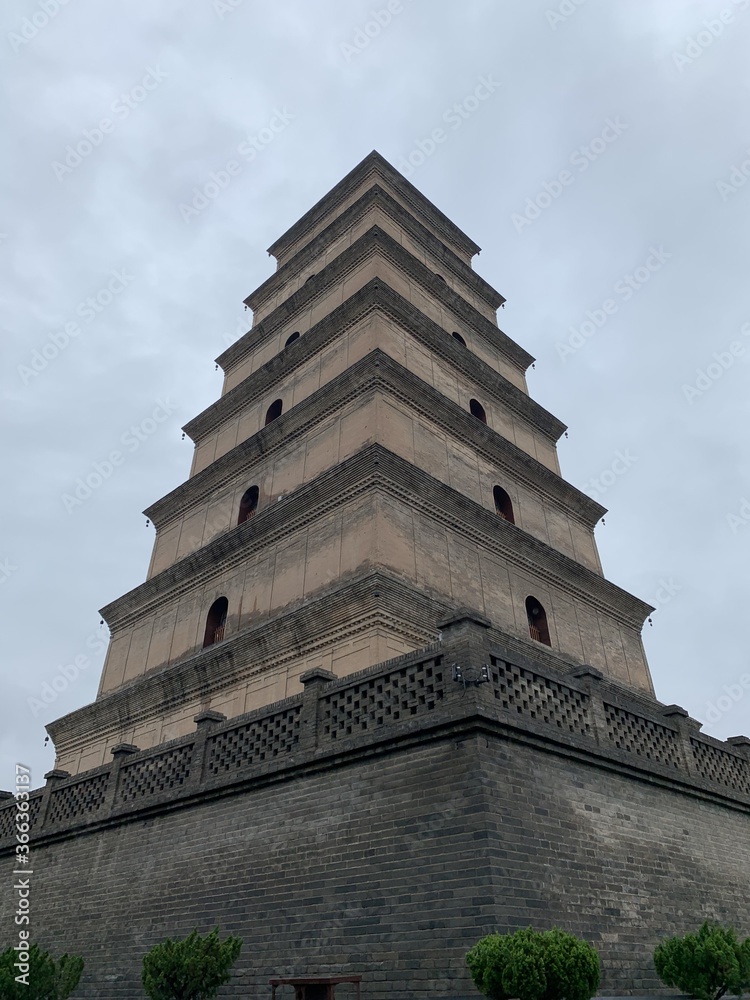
x=621, y=862
x=398, y=819
x=392, y=867
x=355, y=868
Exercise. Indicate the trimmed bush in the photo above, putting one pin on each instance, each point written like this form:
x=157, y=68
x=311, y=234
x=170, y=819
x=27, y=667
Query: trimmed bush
x=534, y=965
x=45, y=979
x=705, y=965
x=192, y=969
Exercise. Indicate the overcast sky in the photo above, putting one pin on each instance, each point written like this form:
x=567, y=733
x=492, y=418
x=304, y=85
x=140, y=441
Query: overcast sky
x=606, y=141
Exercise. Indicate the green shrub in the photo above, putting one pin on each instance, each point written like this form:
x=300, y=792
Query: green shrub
x=705, y=965
x=191, y=969
x=45, y=978
x=534, y=965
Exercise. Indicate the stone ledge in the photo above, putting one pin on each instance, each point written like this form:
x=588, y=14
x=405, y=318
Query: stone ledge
x=374, y=197
x=279, y=367
x=376, y=372
x=451, y=710
x=368, y=469
x=443, y=725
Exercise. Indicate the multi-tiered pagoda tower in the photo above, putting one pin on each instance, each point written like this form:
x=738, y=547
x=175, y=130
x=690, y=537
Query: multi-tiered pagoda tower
x=376, y=699
x=374, y=462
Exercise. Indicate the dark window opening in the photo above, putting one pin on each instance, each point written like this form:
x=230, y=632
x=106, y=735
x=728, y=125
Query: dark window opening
x=440, y=277
x=503, y=505
x=537, y=616
x=274, y=411
x=292, y=338
x=477, y=410
x=248, y=504
x=457, y=336
x=216, y=622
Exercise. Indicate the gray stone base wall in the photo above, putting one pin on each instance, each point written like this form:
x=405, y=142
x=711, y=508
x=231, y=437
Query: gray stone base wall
x=393, y=866
x=381, y=823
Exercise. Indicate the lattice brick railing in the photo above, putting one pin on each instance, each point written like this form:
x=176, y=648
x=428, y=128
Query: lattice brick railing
x=253, y=742
x=85, y=797
x=540, y=698
x=8, y=815
x=403, y=694
x=156, y=773
x=715, y=764
x=642, y=736
x=580, y=707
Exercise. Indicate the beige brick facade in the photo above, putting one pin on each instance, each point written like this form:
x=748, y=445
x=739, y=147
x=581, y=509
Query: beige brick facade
x=376, y=510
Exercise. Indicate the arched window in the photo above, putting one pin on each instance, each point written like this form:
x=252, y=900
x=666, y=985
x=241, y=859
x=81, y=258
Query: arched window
x=503, y=505
x=216, y=622
x=537, y=616
x=292, y=338
x=274, y=411
x=248, y=504
x=477, y=410
x=457, y=336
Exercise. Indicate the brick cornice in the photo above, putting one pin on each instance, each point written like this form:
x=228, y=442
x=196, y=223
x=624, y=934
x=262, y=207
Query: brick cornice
x=276, y=640
x=377, y=468
x=380, y=598
x=451, y=725
x=375, y=165
x=374, y=241
x=378, y=371
x=376, y=293
x=375, y=197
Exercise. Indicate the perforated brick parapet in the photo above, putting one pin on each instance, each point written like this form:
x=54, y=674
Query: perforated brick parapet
x=379, y=824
